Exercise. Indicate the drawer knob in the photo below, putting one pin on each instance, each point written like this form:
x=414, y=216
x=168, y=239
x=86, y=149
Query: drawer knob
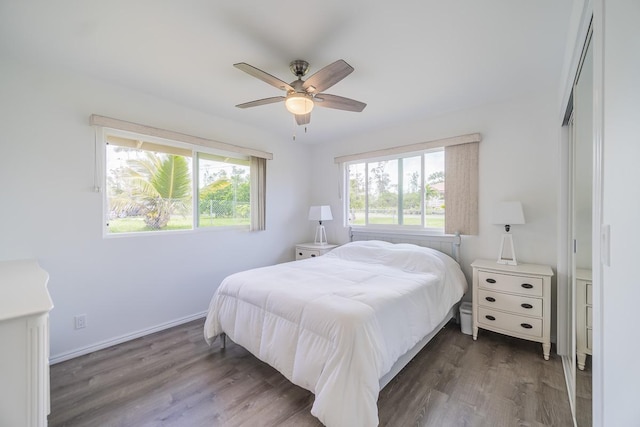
x=491, y=280
x=527, y=286
x=525, y=305
x=490, y=317
x=490, y=299
x=526, y=325
x=313, y=255
x=300, y=253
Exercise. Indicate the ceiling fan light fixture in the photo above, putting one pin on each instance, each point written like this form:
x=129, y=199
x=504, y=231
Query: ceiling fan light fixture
x=302, y=95
x=299, y=103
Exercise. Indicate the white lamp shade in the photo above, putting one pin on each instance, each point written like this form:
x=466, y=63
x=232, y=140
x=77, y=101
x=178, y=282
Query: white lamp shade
x=320, y=213
x=508, y=213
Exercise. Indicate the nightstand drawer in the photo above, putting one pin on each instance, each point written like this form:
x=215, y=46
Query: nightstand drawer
x=312, y=250
x=522, y=325
x=517, y=304
x=589, y=317
x=589, y=293
x=306, y=253
x=523, y=285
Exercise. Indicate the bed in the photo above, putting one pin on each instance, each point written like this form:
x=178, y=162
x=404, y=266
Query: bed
x=344, y=324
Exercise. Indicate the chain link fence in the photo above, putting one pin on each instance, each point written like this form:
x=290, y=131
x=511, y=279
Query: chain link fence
x=225, y=209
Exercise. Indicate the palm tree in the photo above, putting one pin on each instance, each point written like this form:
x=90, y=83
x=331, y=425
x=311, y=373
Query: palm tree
x=431, y=193
x=158, y=186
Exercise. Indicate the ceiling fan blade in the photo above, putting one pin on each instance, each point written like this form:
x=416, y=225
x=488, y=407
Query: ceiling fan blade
x=265, y=77
x=303, y=119
x=263, y=101
x=327, y=77
x=338, y=102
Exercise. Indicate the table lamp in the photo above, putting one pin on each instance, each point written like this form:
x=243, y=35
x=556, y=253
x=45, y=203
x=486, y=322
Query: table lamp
x=320, y=213
x=508, y=214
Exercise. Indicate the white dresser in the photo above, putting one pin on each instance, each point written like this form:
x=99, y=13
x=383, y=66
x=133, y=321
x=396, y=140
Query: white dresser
x=513, y=300
x=584, y=316
x=24, y=333
x=312, y=250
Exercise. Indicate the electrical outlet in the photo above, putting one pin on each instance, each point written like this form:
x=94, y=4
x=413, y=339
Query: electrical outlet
x=80, y=321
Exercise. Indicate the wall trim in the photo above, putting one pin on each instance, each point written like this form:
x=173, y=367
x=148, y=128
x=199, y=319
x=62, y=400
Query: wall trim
x=123, y=338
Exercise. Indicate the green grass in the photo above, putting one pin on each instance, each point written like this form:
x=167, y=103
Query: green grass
x=136, y=224
x=208, y=221
x=432, y=221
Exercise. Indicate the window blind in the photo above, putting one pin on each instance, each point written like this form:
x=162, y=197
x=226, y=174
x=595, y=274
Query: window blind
x=147, y=146
x=108, y=122
x=258, y=193
x=461, y=196
x=418, y=147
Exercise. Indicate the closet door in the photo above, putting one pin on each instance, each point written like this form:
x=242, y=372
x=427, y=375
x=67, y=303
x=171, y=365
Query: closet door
x=582, y=226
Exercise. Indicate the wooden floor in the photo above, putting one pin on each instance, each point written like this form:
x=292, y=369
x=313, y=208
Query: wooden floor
x=584, y=395
x=172, y=378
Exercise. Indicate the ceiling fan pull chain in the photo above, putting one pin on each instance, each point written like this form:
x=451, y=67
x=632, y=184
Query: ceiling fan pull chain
x=294, y=128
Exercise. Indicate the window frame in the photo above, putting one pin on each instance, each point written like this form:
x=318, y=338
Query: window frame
x=423, y=181
x=195, y=149
x=196, y=204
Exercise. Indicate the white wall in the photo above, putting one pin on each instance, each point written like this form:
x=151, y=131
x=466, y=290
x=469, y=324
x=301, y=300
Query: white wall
x=618, y=373
x=126, y=285
x=123, y=285
x=517, y=162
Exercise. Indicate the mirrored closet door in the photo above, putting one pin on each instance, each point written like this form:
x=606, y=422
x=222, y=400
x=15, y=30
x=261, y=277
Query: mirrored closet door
x=581, y=148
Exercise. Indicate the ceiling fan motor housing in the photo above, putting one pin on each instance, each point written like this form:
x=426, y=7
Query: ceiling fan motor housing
x=299, y=67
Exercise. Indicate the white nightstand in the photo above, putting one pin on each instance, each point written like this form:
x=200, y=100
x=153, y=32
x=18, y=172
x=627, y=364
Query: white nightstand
x=584, y=316
x=513, y=300
x=312, y=250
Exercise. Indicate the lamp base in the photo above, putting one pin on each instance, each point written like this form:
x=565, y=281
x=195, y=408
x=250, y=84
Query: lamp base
x=507, y=254
x=321, y=236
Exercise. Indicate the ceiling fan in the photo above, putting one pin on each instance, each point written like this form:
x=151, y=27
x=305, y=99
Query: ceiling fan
x=303, y=95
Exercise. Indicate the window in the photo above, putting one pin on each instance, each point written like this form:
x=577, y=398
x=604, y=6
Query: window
x=401, y=191
x=223, y=191
x=404, y=186
x=150, y=185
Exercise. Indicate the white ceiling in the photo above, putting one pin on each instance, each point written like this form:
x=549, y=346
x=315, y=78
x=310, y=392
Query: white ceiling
x=413, y=59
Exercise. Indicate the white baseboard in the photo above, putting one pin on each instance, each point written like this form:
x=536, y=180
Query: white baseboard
x=123, y=338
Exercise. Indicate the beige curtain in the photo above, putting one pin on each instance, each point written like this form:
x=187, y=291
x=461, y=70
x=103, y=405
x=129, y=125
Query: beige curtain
x=461, y=192
x=258, y=193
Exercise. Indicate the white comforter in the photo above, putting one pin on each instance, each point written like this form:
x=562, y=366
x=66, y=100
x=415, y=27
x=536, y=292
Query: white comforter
x=337, y=323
